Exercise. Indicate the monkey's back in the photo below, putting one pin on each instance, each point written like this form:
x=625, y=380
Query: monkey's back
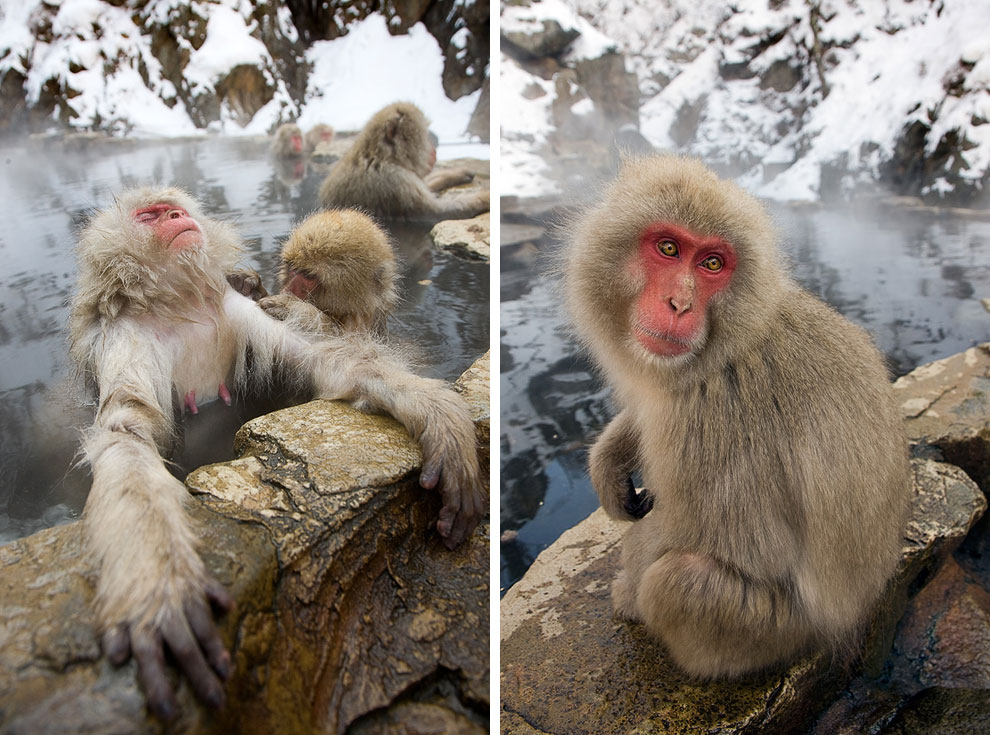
x=384, y=189
x=792, y=465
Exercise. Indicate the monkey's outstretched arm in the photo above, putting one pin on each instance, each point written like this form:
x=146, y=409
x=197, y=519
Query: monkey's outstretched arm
x=467, y=204
x=445, y=178
x=153, y=589
x=613, y=457
x=355, y=367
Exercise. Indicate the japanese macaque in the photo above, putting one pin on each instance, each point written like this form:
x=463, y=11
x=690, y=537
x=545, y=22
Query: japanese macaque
x=288, y=142
x=319, y=133
x=384, y=172
x=156, y=326
x=775, y=467
x=338, y=273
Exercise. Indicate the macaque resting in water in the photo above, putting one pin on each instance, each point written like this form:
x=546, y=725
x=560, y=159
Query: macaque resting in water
x=338, y=273
x=386, y=172
x=156, y=326
x=288, y=141
x=772, y=452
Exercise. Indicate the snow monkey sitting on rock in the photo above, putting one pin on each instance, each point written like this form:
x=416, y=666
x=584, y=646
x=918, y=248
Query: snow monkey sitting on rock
x=338, y=273
x=155, y=326
x=773, y=456
x=385, y=172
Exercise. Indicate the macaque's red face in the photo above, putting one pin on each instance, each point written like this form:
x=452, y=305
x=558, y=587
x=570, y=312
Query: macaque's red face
x=326, y=136
x=172, y=225
x=683, y=271
x=433, y=157
x=297, y=143
x=299, y=283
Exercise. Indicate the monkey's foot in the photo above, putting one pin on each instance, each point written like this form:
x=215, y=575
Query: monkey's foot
x=190, y=402
x=624, y=598
x=224, y=393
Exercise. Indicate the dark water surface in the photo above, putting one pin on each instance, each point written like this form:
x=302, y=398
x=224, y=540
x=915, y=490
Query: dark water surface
x=913, y=279
x=48, y=189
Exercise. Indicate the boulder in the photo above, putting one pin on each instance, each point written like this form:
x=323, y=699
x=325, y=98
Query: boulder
x=468, y=237
x=350, y=612
x=570, y=667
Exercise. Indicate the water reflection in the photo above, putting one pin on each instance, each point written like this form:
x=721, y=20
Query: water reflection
x=913, y=279
x=47, y=191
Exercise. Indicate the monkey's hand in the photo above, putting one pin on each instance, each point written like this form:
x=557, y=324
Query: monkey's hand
x=153, y=592
x=450, y=463
x=612, y=458
x=636, y=504
x=442, y=179
x=247, y=283
x=298, y=314
x=190, y=633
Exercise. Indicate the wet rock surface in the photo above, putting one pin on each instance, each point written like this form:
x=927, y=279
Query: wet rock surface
x=350, y=612
x=569, y=666
x=470, y=238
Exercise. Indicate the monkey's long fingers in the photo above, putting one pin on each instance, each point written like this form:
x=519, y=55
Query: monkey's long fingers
x=184, y=646
x=147, y=648
x=117, y=644
x=429, y=476
x=219, y=597
x=637, y=504
x=201, y=622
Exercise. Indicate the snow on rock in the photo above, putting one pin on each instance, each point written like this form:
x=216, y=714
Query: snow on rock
x=174, y=68
x=807, y=99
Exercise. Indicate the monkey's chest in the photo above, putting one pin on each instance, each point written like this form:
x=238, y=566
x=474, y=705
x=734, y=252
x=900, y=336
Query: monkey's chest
x=204, y=360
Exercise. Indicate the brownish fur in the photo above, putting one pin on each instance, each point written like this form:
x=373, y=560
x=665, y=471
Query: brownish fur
x=384, y=171
x=774, y=452
x=314, y=136
x=282, y=144
x=353, y=262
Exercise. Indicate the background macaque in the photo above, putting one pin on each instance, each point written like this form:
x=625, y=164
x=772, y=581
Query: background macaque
x=156, y=326
x=319, y=133
x=777, y=482
x=342, y=264
x=384, y=171
x=288, y=142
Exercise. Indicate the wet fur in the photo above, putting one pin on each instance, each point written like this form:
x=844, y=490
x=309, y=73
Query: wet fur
x=775, y=454
x=384, y=171
x=145, y=328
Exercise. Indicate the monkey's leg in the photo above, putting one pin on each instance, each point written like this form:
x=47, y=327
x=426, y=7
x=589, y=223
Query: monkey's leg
x=715, y=620
x=613, y=456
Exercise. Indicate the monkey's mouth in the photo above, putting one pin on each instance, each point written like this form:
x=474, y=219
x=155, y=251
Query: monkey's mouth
x=663, y=344
x=186, y=238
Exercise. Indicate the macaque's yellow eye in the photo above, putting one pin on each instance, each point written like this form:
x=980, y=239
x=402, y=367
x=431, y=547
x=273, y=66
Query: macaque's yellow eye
x=712, y=263
x=668, y=248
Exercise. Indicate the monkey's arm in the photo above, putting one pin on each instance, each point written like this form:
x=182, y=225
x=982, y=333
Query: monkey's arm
x=445, y=178
x=297, y=314
x=354, y=367
x=612, y=458
x=153, y=590
x=451, y=206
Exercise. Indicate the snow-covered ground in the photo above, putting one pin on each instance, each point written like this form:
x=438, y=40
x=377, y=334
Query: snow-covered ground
x=889, y=64
x=351, y=78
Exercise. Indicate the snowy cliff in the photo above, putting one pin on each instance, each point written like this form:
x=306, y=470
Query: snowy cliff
x=799, y=99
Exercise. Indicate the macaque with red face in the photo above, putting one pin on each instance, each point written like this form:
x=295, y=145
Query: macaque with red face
x=772, y=453
x=319, y=133
x=158, y=330
x=386, y=172
x=288, y=142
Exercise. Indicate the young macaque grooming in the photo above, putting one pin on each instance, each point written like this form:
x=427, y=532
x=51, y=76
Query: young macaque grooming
x=156, y=326
x=319, y=133
x=288, y=142
x=384, y=172
x=338, y=273
x=776, y=474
